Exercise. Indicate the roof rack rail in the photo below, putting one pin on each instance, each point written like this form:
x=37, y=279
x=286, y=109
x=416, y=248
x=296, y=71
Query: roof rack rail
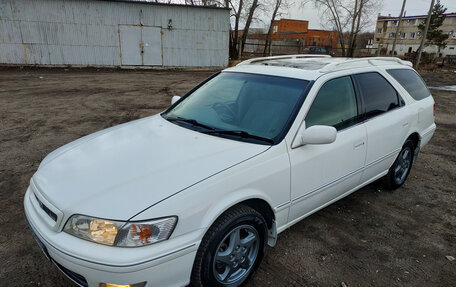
x=346, y=64
x=283, y=57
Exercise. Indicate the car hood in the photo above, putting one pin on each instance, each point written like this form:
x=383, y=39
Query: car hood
x=119, y=172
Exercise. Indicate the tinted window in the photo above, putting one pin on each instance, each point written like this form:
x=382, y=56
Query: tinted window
x=378, y=94
x=257, y=104
x=411, y=82
x=334, y=105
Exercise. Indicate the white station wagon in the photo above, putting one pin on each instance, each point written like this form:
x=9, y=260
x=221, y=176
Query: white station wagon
x=193, y=195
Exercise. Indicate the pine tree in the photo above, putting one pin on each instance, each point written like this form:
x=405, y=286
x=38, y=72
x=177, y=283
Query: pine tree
x=435, y=36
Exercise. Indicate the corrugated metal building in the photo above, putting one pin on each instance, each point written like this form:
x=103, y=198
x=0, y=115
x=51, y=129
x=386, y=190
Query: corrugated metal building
x=112, y=33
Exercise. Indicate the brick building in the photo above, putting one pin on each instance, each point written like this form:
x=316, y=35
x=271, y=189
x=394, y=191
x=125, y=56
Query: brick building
x=298, y=30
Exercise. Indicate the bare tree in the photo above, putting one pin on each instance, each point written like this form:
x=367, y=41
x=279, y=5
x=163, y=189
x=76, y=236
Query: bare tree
x=333, y=11
x=361, y=13
x=348, y=15
x=236, y=8
x=277, y=5
x=252, y=9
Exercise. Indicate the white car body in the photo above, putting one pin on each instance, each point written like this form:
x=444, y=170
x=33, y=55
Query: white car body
x=151, y=168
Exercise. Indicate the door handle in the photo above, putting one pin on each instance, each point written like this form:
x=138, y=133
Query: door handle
x=404, y=125
x=358, y=145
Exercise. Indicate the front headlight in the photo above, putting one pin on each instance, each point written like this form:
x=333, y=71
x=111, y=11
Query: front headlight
x=120, y=233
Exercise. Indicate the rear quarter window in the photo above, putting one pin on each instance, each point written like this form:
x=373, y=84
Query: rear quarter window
x=411, y=82
x=378, y=95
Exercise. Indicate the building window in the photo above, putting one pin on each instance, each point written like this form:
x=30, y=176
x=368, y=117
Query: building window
x=377, y=40
x=395, y=23
x=412, y=35
x=392, y=34
x=418, y=33
x=388, y=23
x=275, y=28
x=454, y=35
x=415, y=22
x=379, y=30
x=402, y=35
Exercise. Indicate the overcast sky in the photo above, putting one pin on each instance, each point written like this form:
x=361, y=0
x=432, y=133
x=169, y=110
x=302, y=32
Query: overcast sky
x=393, y=7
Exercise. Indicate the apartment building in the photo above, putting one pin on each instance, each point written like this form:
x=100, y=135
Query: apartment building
x=409, y=39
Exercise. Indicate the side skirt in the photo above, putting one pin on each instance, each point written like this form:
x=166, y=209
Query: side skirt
x=289, y=224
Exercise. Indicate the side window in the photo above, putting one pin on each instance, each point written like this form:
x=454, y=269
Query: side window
x=335, y=105
x=378, y=94
x=411, y=82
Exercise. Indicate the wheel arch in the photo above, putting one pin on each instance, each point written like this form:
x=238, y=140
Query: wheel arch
x=262, y=207
x=416, y=139
x=253, y=199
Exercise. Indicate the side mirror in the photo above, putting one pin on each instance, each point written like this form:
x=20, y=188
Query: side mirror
x=315, y=135
x=174, y=99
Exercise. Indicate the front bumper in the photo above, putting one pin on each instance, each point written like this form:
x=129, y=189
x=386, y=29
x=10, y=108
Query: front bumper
x=89, y=264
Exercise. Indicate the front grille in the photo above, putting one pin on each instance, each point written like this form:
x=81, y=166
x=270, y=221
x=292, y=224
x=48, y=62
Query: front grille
x=78, y=279
x=47, y=210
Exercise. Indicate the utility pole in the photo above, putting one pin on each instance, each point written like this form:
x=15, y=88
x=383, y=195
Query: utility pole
x=397, y=28
x=423, y=37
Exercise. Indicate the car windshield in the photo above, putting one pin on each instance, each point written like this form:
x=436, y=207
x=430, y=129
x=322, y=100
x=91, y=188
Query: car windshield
x=241, y=106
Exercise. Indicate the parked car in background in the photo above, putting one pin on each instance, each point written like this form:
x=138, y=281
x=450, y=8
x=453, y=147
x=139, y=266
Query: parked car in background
x=196, y=193
x=317, y=50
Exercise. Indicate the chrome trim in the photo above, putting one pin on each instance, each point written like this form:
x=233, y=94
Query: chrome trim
x=382, y=157
x=301, y=197
x=282, y=205
x=328, y=184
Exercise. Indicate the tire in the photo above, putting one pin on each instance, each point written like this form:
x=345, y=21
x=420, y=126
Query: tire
x=235, y=244
x=401, y=167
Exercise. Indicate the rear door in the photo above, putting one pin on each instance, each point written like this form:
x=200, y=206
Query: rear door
x=387, y=121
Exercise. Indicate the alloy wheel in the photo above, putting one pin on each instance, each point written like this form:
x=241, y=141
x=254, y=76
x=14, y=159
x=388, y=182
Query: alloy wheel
x=236, y=254
x=403, y=165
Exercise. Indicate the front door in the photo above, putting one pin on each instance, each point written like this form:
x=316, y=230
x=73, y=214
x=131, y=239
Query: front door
x=323, y=173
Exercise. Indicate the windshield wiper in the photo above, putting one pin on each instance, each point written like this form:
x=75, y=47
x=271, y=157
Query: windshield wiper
x=239, y=133
x=189, y=121
x=212, y=130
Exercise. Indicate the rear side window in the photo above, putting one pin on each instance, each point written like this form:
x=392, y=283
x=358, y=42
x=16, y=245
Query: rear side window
x=335, y=105
x=411, y=82
x=378, y=94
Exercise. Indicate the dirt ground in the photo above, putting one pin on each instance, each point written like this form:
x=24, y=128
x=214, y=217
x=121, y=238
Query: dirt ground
x=371, y=238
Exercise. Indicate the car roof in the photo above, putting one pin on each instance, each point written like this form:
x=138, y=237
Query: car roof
x=310, y=67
